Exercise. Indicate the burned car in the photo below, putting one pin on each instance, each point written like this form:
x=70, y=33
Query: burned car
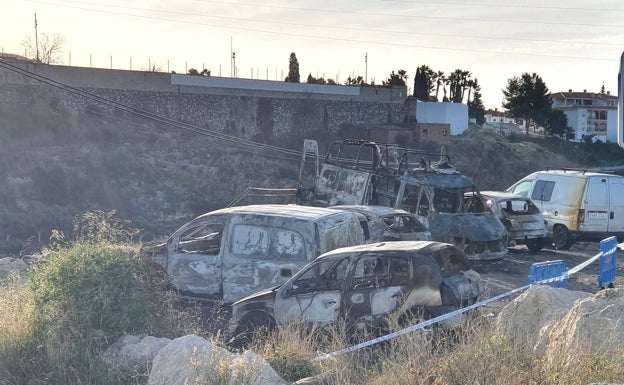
x=388, y=224
x=365, y=285
x=230, y=253
x=524, y=222
x=360, y=172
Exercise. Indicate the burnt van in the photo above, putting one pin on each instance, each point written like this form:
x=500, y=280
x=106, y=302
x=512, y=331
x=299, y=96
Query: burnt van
x=577, y=205
x=233, y=252
x=361, y=172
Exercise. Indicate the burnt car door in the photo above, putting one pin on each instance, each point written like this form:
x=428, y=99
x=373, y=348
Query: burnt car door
x=194, y=256
x=376, y=288
x=314, y=296
x=260, y=255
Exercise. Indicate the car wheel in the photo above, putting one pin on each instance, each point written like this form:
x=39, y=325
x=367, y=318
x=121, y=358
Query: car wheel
x=535, y=244
x=253, y=325
x=561, y=237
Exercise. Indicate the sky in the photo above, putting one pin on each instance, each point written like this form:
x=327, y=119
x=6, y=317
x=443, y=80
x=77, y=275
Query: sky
x=570, y=44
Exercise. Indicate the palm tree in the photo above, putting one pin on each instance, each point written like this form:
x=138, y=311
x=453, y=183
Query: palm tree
x=470, y=84
x=439, y=79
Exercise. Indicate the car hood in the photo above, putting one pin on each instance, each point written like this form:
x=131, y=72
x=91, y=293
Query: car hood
x=258, y=296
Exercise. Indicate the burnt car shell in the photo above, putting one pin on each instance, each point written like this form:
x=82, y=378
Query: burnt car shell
x=522, y=218
x=389, y=224
x=365, y=285
x=230, y=253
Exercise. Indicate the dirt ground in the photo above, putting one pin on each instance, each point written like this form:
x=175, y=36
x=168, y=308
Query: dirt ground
x=512, y=271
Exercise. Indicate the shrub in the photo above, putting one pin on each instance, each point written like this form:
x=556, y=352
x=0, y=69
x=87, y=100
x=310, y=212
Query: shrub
x=78, y=301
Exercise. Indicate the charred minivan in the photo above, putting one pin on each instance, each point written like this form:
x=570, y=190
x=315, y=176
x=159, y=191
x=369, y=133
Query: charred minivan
x=233, y=252
x=360, y=172
x=364, y=285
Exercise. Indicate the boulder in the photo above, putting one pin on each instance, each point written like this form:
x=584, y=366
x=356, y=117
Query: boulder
x=249, y=368
x=10, y=266
x=194, y=360
x=593, y=326
x=134, y=353
x=530, y=316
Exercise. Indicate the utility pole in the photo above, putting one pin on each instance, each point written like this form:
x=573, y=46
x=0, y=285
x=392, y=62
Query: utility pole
x=232, y=60
x=36, y=40
x=366, y=68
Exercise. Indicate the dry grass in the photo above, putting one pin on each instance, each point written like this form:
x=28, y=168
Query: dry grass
x=473, y=354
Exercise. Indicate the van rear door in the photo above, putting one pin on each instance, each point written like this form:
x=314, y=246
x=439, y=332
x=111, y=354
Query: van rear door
x=616, y=205
x=596, y=205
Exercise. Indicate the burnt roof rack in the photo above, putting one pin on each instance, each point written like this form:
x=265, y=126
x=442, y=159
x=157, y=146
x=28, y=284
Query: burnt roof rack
x=387, y=158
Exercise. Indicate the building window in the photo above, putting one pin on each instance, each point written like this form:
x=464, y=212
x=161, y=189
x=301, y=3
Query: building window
x=425, y=132
x=444, y=132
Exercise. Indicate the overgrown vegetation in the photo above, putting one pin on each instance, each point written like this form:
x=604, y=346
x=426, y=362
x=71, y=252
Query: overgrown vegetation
x=77, y=300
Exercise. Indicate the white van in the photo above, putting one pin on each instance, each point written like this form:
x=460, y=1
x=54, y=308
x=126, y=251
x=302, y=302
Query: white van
x=577, y=205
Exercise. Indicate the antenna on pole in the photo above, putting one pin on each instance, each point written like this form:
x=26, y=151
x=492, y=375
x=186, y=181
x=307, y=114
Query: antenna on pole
x=36, y=40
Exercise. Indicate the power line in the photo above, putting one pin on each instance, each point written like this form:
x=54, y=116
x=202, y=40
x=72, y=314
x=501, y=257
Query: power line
x=256, y=20
x=497, y=5
x=334, y=38
x=232, y=141
x=381, y=14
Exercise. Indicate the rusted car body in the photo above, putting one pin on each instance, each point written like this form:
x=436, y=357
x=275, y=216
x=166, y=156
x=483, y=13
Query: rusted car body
x=230, y=253
x=366, y=286
x=357, y=172
x=388, y=224
x=524, y=222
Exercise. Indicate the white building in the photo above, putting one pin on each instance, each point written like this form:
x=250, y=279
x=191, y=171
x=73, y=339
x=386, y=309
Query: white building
x=453, y=114
x=501, y=122
x=589, y=114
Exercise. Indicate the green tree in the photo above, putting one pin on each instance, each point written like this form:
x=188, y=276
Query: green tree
x=528, y=97
x=476, y=109
x=458, y=84
x=293, y=69
x=424, y=83
x=396, y=79
x=557, y=123
x=357, y=81
x=204, y=72
x=312, y=80
x=440, y=80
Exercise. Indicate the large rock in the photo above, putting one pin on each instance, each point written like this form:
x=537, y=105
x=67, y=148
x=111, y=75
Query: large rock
x=134, y=353
x=531, y=315
x=12, y=266
x=193, y=360
x=593, y=326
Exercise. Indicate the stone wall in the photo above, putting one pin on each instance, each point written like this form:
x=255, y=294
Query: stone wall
x=251, y=109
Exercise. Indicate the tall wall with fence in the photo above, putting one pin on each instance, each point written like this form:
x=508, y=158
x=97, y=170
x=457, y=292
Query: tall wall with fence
x=244, y=107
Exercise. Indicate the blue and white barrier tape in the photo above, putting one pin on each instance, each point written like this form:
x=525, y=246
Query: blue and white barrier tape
x=455, y=313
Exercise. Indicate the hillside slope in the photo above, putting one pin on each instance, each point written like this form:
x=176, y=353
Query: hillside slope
x=57, y=161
